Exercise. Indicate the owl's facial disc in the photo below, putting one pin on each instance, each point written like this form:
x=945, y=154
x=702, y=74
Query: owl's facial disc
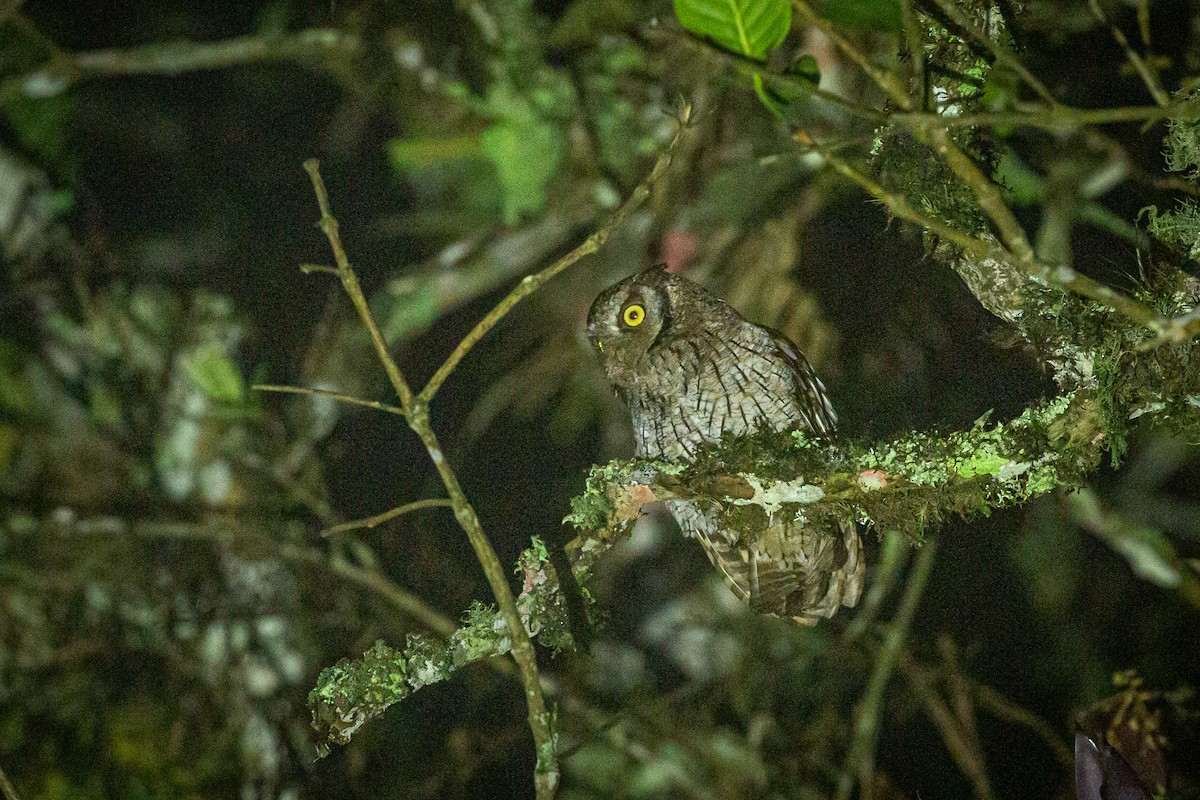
x=623, y=323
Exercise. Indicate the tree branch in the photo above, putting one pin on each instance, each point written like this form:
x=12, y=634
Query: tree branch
x=861, y=758
x=416, y=410
x=531, y=283
x=173, y=58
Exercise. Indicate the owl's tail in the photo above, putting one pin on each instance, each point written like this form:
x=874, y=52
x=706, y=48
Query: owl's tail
x=845, y=582
x=804, y=576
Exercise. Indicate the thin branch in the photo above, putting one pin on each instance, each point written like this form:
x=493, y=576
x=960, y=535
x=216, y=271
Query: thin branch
x=1177, y=330
x=1055, y=118
x=991, y=200
x=341, y=398
x=899, y=206
x=748, y=67
x=546, y=774
x=861, y=758
x=1001, y=707
x=963, y=747
x=329, y=226
x=960, y=693
x=1165, y=330
x=531, y=283
x=65, y=70
x=1139, y=64
x=405, y=602
x=10, y=793
x=379, y=519
x=402, y=600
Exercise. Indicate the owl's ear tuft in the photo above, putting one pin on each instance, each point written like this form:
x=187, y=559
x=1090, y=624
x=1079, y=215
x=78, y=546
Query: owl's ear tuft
x=654, y=274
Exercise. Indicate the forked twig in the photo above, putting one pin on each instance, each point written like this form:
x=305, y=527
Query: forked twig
x=416, y=411
x=341, y=398
x=531, y=283
x=379, y=519
x=860, y=761
x=417, y=414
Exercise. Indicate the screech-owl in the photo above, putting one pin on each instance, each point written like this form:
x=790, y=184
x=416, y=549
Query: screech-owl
x=691, y=370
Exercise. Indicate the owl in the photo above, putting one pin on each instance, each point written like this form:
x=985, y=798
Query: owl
x=691, y=369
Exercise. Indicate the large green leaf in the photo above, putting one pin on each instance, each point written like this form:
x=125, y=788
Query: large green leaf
x=527, y=152
x=747, y=27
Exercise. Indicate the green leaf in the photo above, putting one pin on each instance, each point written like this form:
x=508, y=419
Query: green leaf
x=880, y=15
x=526, y=151
x=748, y=27
x=215, y=374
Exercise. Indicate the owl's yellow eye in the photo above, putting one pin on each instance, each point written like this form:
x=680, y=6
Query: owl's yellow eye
x=633, y=315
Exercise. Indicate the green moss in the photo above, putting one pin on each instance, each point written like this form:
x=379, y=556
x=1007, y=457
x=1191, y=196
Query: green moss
x=906, y=485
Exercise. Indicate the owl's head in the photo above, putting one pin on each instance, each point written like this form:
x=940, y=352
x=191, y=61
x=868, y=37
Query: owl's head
x=626, y=320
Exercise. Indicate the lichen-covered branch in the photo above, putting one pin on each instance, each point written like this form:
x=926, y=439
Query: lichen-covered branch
x=352, y=692
x=905, y=485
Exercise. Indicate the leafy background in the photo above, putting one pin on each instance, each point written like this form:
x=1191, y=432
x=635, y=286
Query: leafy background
x=150, y=274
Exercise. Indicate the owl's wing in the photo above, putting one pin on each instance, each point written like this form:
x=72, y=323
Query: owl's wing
x=790, y=572
x=813, y=404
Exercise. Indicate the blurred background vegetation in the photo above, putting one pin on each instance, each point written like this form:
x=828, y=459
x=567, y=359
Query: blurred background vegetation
x=166, y=599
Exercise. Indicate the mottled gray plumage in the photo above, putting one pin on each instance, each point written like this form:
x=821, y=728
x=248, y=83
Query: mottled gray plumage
x=691, y=370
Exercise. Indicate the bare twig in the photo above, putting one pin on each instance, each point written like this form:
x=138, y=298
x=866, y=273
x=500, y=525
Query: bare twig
x=10, y=793
x=374, y=581
x=964, y=747
x=65, y=70
x=860, y=760
x=1001, y=707
x=886, y=81
x=531, y=283
x=379, y=519
x=416, y=409
x=341, y=398
x=1144, y=71
x=899, y=206
x=960, y=691
x=329, y=226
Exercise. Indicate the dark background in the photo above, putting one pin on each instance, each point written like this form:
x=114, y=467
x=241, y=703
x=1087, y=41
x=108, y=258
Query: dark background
x=192, y=183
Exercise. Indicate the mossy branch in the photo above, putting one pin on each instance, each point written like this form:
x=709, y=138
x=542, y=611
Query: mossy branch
x=1017, y=253
x=905, y=484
